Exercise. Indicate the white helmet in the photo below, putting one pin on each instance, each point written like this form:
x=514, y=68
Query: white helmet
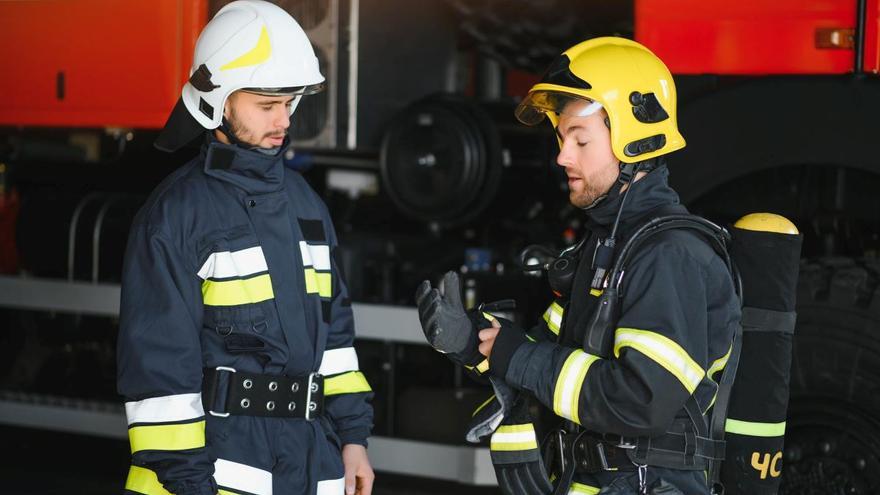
x=249, y=44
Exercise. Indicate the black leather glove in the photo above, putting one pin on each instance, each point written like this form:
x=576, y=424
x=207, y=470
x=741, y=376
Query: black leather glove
x=447, y=326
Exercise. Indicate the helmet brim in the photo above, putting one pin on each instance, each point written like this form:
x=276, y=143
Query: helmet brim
x=537, y=104
x=180, y=129
x=290, y=91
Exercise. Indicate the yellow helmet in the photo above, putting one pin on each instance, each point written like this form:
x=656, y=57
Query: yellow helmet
x=622, y=76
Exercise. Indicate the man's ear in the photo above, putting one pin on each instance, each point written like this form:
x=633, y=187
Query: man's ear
x=228, y=105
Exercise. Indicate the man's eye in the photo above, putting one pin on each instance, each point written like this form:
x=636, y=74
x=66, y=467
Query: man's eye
x=582, y=144
x=266, y=109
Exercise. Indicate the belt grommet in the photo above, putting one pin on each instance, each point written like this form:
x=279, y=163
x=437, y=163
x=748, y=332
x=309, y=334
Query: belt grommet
x=270, y=406
x=314, y=387
x=273, y=386
x=291, y=406
x=245, y=403
x=295, y=387
x=247, y=383
x=312, y=406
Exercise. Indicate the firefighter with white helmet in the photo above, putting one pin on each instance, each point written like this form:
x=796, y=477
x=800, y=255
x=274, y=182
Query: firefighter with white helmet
x=235, y=350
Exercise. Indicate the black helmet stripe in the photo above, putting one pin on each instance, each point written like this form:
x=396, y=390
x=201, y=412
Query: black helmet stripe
x=560, y=73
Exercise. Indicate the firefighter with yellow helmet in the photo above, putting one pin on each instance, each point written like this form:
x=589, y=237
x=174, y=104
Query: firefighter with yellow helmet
x=627, y=360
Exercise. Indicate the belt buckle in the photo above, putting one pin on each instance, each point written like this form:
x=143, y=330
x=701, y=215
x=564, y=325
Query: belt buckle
x=313, y=387
x=211, y=411
x=603, y=459
x=619, y=441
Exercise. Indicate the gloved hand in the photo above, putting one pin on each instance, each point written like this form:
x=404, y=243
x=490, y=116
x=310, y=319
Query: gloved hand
x=447, y=326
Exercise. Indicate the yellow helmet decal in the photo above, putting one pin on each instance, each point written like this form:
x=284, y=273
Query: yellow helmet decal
x=255, y=56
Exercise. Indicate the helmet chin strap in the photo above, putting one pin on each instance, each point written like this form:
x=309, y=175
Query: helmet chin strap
x=624, y=177
x=604, y=254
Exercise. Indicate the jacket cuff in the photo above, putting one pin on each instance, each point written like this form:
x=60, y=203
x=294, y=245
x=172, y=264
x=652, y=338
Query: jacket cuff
x=509, y=339
x=354, y=435
x=207, y=487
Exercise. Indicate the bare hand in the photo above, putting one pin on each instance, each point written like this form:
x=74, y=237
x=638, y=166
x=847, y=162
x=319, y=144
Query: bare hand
x=358, y=472
x=487, y=338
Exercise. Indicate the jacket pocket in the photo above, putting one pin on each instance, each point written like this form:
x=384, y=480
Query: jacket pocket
x=239, y=327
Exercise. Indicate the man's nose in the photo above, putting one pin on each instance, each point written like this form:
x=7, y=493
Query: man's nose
x=282, y=118
x=563, y=159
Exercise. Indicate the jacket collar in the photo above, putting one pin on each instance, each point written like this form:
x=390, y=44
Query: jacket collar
x=252, y=171
x=650, y=192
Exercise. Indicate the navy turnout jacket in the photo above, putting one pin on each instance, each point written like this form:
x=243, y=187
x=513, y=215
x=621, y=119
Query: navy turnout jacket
x=231, y=262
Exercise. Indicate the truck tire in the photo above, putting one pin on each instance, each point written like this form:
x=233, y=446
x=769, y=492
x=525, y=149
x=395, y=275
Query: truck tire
x=832, y=443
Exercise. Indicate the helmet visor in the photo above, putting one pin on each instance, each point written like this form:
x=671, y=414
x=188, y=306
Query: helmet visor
x=537, y=104
x=289, y=91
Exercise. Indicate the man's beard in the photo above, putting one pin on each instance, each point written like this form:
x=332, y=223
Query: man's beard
x=239, y=130
x=586, y=198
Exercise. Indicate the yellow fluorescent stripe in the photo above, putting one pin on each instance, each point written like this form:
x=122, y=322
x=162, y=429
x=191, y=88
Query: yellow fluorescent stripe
x=481, y=406
x=226, y=492
x=567, y=392
x=514, y=437
x=483, y=366
x=579, y=382
x=560, y=383
x=167, y=437
x=753, y=429
x=516, y=428
x=256, y=55
x=319, y=283
x=581, y=489
x=596, y=292
x=719, y=363
x=553, y=317
x=717, y=366
x=234, y=292
x=143, y=480
x=664, y=352
x=346, y=383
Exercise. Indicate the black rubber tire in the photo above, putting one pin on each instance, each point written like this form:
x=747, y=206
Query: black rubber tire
x=832, y=443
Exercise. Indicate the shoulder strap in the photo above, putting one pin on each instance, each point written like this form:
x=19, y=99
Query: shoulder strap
x=722, y=402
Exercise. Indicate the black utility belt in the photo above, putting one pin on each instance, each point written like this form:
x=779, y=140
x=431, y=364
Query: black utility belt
x=595, y=453
x=227, y=391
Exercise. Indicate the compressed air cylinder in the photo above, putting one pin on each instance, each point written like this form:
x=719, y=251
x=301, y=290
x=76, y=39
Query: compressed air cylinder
x=766, y=249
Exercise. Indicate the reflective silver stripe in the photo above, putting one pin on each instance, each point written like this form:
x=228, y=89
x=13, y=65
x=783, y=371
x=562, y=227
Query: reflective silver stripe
x=553, y=317
x=241, y=477
x=165, y=409
x=337, y=361
x=228, y=264
x=569, y=382
x=315, y=256
x=514, y=437
x=663, y=351
x=331, y=487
